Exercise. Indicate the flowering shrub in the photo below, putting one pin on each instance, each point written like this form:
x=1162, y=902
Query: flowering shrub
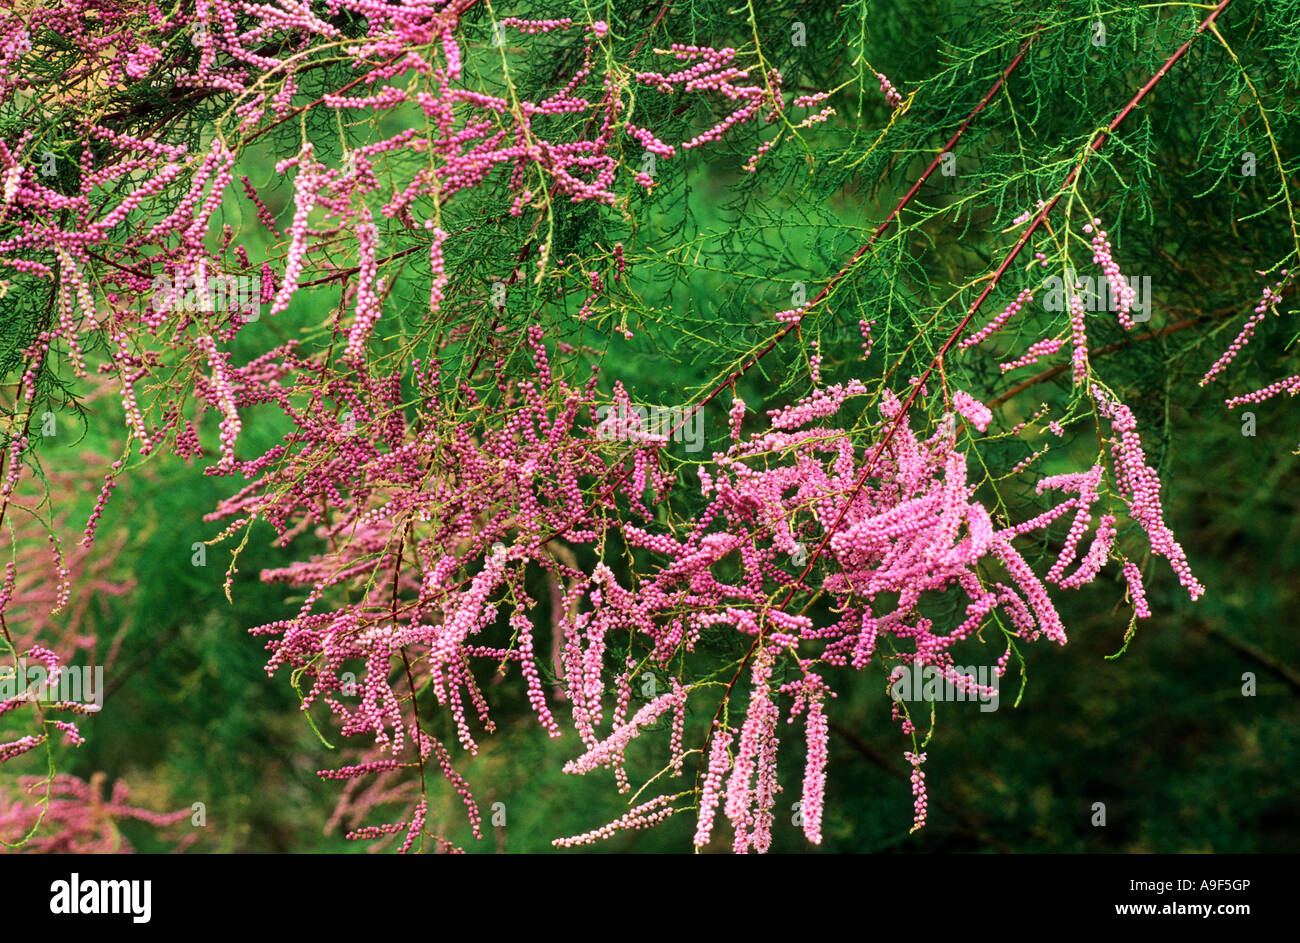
x=408, y=329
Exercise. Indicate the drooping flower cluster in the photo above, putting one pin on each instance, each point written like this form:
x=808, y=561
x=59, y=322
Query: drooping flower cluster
x=1139, y=486
x=435, y=530
x=1122, y=293
x=912, y=531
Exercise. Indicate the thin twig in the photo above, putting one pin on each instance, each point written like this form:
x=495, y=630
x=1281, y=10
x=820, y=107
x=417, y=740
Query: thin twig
x=971, y=825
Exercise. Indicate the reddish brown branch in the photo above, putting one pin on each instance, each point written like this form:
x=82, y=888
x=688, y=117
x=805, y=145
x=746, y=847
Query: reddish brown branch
x=1073, y=175
x=866, y=247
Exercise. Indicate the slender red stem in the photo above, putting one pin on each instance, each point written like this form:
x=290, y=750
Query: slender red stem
x=1093, y=147
x=866, y=247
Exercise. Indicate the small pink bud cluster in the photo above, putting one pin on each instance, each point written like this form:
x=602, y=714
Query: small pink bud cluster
x=864, y=327
x=1079, y=338
x=810, y=696
x=1133, y=576
x=531, y=27
x=887, y=89
x=110, y=482
x=1268, y=298
x=752, y=786
x=1010, y=311
x=1025, y=217
x=920, y=804
x=220, y=390
x=972, y=410
x=597, y=287
x=437, y=269
x=1290, y=385
x=737, y=417
x=1121, y=291
x=367, y=292
x=711, y=791
x=646, y=815
x=1036, y=352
